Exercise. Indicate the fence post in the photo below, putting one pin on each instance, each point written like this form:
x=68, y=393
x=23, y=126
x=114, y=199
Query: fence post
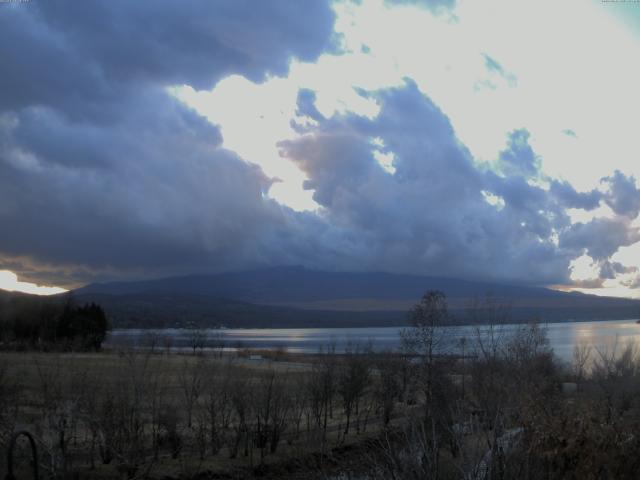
x=34, y=454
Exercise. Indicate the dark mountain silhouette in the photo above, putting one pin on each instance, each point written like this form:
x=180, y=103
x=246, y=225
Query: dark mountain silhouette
x=296, y=296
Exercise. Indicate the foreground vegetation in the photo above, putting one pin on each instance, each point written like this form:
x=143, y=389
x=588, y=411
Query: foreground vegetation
x=500, y=407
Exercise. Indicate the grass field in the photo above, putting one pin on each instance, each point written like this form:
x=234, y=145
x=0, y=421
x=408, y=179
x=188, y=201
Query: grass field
x=69, y=401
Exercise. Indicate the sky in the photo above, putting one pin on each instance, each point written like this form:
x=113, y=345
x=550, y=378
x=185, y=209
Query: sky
x=491, y=140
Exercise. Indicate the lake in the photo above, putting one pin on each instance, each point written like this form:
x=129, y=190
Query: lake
x=562, y=336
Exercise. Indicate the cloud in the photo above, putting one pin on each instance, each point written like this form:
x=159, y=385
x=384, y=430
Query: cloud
x=101, y=169
x=570, y=198
x=519, y=158
x=435, y=6
x=306, y=104
x=634, y=283
x=87, y=55
x=430, y=216
x=589, y=283
x=622, y=196
x=601, y=237
x=434, y=212
x=493, y=66
x=610, y=270
x=103, y=173
x=156, y=188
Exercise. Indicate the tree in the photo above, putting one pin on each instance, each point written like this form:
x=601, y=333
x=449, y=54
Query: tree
x=322, y=388
x=424, y=343
x=86, y=325
x=426, y=337
x=191, y=379
x=197, y=339
x=388, y=388
x=353, y=378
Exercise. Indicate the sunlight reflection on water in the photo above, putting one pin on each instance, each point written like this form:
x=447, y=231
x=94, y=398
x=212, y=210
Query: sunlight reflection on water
x=562, y=336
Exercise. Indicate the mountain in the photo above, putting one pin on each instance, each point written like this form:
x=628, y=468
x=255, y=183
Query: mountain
x=163, y=310
x=296, y=296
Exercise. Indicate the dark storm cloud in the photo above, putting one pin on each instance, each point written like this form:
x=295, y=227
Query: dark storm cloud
x=196, y=42
x=84, y=56
x=101, y=170
x=158, y=189
x=104, y=173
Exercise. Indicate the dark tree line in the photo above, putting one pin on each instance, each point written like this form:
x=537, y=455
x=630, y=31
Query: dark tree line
x=38, y=322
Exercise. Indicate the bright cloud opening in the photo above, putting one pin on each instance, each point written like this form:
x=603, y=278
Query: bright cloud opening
x=9, y=281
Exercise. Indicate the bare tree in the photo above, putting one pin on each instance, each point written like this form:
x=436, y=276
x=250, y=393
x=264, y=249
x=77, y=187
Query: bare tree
x=426, y=343
x=239, y=393
x=299, y=405
x=61, y=388
x=271, y=409
x=489, y=318
x=217, y=407
x=387, y=389
x=322, y=388
x=191, y=379
x=150, y=340
x=197, y=339
x=581, y=355
x=122, y=415
x=167, y=342
x=352, y=380
x=426, y=339
x=10, y=388
x=218, y=343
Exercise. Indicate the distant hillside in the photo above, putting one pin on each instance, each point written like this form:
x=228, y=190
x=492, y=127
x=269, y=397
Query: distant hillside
x=159, y=310
x=297, y=284
x=297, y=297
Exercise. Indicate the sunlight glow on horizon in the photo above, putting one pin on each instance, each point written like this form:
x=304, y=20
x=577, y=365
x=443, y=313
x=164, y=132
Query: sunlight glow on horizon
x=9, y=281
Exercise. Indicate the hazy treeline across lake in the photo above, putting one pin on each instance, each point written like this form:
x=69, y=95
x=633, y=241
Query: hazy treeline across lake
x=563, y=337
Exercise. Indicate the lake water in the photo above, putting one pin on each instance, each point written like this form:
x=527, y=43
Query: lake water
x=562, y=336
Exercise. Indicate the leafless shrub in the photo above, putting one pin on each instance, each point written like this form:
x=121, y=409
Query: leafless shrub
x=388, y=385
x=580, y=360
x=322, y=389
x=192, y=379
x=197, y=339
x=270, y=411
x=61, y=390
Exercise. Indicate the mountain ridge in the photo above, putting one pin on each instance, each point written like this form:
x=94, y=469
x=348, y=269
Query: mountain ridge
x=300, y=297
x=300, y=284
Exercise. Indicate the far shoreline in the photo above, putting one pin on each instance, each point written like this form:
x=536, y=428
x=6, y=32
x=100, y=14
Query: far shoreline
x=344, y=327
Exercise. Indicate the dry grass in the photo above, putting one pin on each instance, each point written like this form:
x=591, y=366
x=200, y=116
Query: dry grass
x=74, y=374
